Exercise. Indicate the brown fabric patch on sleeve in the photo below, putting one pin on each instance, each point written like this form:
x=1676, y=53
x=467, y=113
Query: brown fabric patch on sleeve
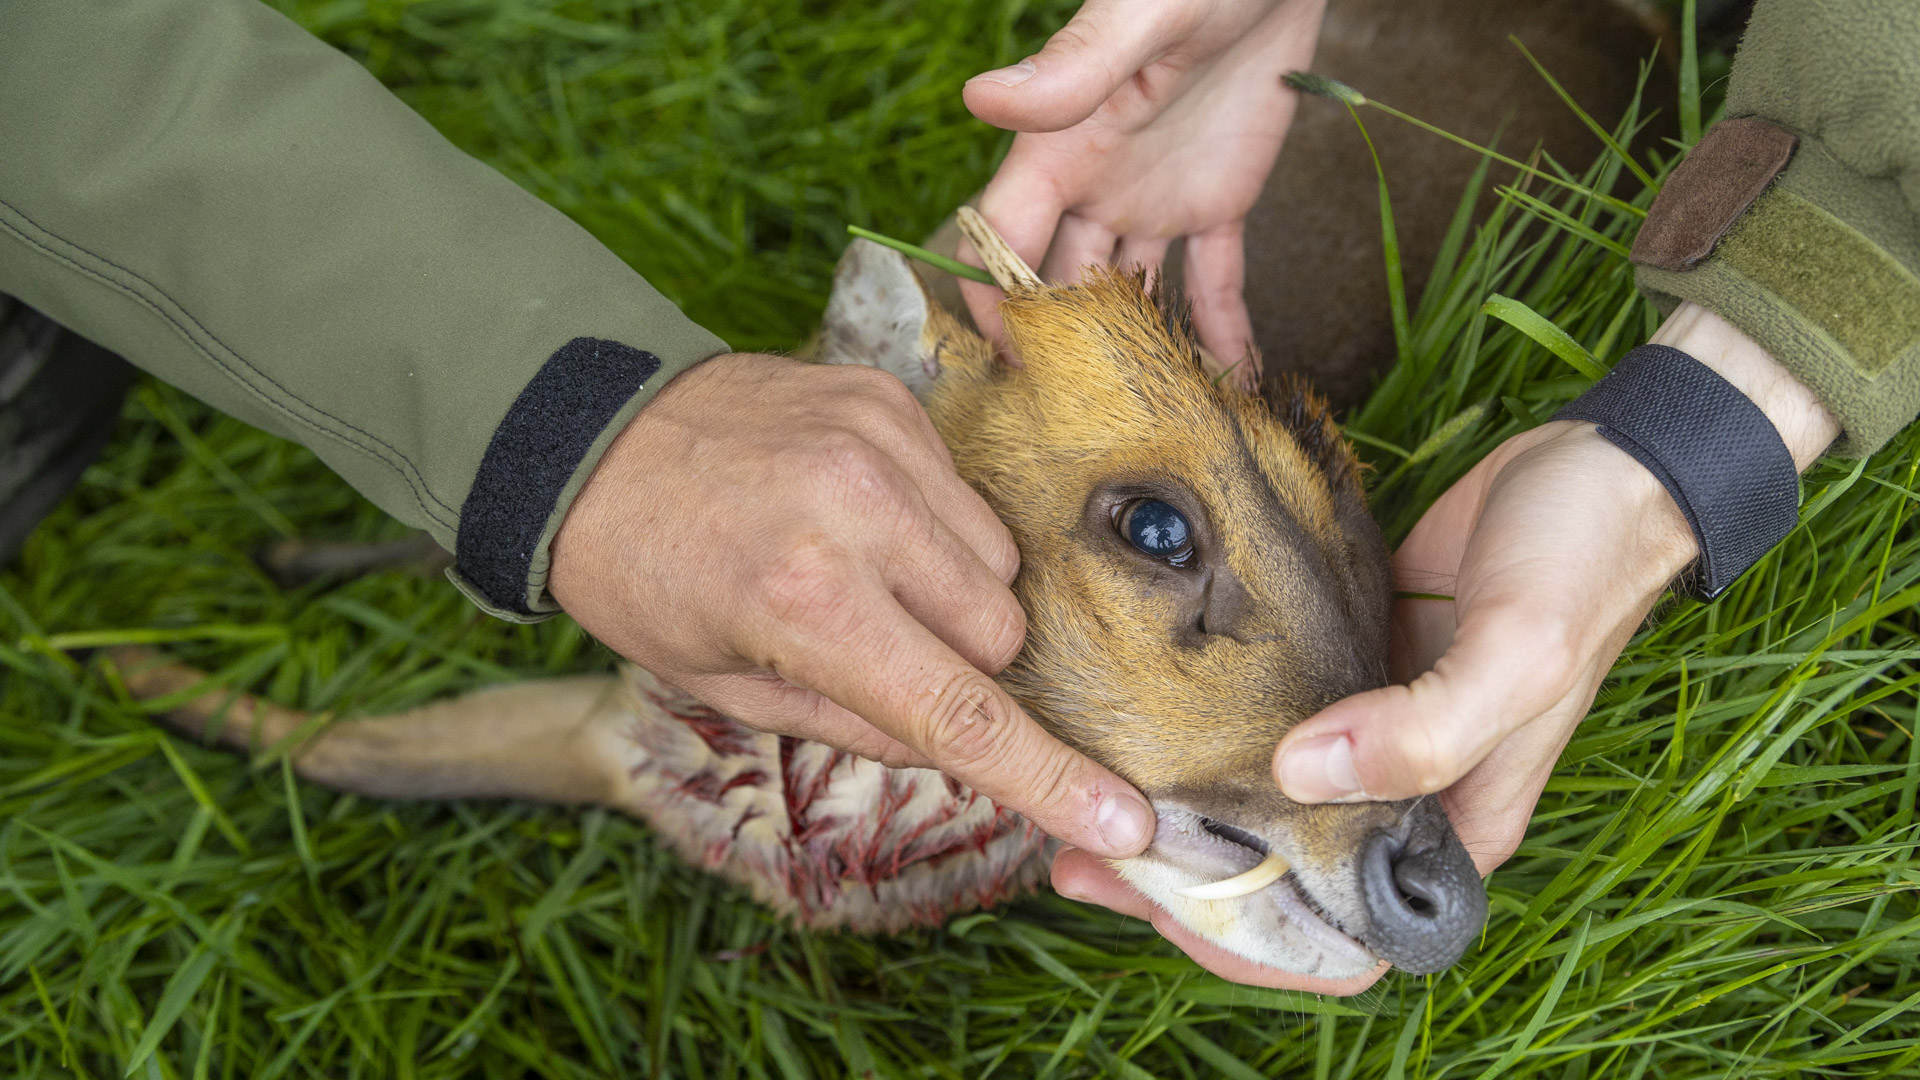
x=1709, y=191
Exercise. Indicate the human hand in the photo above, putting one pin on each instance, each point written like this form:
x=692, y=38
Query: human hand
x=1143, y=121
x=1554, y=549
x=790, y=544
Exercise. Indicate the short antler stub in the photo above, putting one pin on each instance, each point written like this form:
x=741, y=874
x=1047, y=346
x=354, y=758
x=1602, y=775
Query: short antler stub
x=1009, y=270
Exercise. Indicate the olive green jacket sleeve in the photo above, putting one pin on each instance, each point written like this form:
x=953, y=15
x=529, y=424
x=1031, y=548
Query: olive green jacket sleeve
x=208, y=190
x=1798, y=217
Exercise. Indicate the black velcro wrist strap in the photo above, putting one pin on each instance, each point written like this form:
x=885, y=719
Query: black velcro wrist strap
x=533, y=455
x=1710, y=446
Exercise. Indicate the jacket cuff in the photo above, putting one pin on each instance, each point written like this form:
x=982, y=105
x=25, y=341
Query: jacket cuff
x=1805, y=258
x=540, y=456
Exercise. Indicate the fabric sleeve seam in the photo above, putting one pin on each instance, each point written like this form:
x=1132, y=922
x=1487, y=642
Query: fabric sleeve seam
x=407, y=470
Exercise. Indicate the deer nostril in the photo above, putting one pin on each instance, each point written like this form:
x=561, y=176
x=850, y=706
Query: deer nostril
x=1421, y=889
x=1424, y=899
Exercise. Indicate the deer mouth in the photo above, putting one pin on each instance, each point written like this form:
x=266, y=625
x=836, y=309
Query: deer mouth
x=1232, y=887
x=1290, y=894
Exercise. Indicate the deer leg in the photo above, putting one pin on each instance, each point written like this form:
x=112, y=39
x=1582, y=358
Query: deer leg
x=826, y=838
x=550, y=740
x=297, y=562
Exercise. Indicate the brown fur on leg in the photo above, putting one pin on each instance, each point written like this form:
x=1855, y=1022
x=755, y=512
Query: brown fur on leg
x=546, y=740
x=831, y=840
x=293, y=563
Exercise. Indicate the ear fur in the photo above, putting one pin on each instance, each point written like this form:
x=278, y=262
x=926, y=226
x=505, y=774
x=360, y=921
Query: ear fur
x=878, y=316
x=1307, y=418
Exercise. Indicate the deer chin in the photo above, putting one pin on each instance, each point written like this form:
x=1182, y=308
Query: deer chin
x=1283, y=924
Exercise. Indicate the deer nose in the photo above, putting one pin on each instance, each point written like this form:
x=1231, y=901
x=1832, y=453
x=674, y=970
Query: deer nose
x=1424, y=899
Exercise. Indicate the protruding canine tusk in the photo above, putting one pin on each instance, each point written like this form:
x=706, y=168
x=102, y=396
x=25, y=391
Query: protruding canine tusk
x=1008, y=269
x=1271, y=869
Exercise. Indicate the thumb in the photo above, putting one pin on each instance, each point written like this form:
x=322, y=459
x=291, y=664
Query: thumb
x=1104, y=45
x=1503, y=671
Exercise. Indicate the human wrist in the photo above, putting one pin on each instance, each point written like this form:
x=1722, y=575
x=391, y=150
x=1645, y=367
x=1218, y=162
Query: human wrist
x=1636, y=498
x=1805, y=425
x=586, y=538
x=1731, y=474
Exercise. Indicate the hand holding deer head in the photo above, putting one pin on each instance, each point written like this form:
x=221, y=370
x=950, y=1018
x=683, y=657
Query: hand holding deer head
x=1554, y=548
x=1198, y=572
x=1144, y=121
x=790, y=543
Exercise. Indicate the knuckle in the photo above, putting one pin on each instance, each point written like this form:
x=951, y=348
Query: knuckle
x=1005, y=635
x=883, y=405
x=804, y=585
x=1003, y=556
x=1432, y=763
x=888, y=392
x=838, y=455
x=876, y=394
x=865, y=375
x=962, y=721
x=850, y=471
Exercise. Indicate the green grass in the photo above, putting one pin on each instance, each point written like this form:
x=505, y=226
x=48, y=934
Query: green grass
x=1720, y=880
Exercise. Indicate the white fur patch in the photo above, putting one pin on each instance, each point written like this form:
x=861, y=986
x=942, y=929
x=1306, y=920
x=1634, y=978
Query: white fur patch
x=1271, y=925
x=825, y=837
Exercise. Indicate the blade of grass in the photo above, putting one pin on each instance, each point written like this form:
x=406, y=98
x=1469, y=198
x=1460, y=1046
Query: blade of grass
x=1524, y=1041
x=1604, y=135
x=179, y=992
x=1545, y=333
x=1325, y=87
x=1689, y=72
x=1390, y=249
x=951, y=266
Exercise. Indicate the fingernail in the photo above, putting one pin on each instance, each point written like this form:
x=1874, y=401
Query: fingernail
x=1321, y=770
x=1125, y=824
x=1013, y=75
x=1072, y=891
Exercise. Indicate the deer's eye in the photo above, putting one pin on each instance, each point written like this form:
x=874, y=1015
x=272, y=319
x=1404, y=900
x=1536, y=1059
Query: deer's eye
x=1159, y=530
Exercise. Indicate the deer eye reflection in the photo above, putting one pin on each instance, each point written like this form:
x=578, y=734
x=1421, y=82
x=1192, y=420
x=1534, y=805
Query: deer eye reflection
x=1157, y=529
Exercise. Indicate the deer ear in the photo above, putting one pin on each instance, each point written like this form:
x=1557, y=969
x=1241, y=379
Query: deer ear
x=1309, y=420
x=880, y=315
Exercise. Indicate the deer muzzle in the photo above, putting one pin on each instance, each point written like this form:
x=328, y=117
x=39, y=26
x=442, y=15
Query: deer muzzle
x=1322, y=891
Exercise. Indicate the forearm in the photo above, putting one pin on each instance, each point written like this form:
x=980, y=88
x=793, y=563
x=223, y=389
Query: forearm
x=1805, y=425
x=204, y=188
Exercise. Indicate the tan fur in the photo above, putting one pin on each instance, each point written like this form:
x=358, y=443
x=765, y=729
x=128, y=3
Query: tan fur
x=1111, y=392
x=1110, y=402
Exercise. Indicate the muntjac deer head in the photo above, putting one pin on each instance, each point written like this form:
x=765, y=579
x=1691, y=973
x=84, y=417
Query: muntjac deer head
x=1200, y=572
